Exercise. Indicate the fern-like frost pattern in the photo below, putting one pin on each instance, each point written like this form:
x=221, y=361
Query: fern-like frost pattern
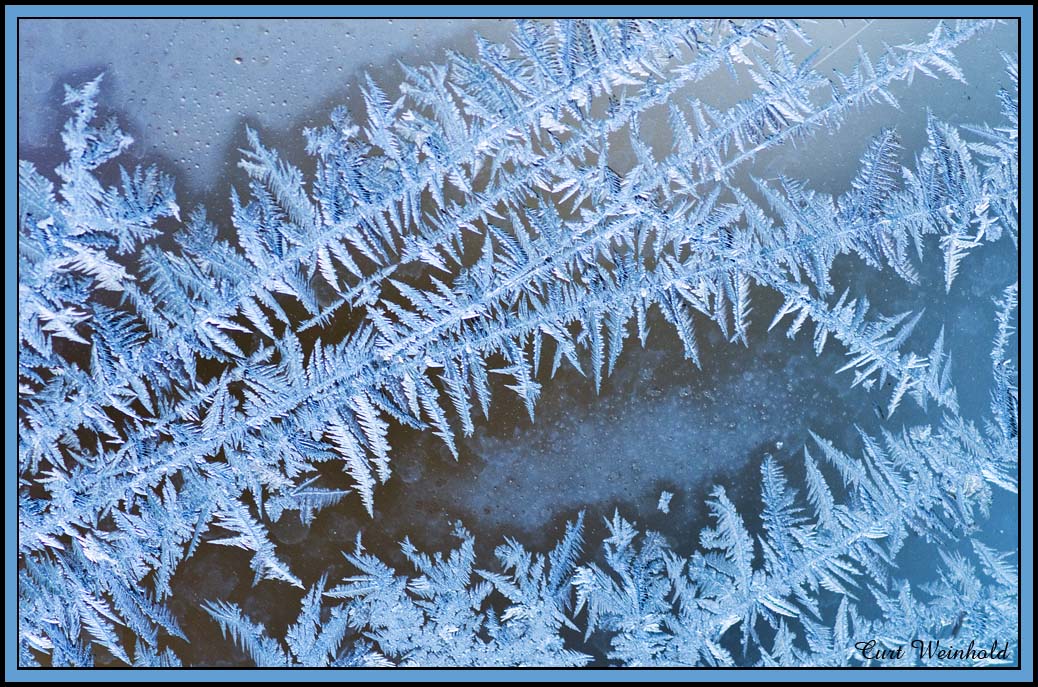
x=180, y=389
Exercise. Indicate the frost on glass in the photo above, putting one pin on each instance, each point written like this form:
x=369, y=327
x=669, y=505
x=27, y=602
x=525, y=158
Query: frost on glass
x=185, y=380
